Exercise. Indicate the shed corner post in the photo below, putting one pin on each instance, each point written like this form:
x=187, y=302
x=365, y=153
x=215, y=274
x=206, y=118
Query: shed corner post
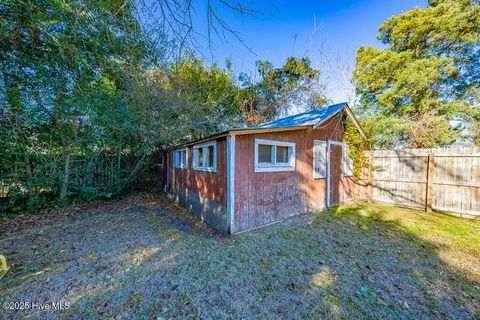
x=429, y=189
x=231, y=181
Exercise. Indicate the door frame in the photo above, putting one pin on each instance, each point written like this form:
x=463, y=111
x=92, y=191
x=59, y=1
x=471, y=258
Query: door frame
x=329, y=143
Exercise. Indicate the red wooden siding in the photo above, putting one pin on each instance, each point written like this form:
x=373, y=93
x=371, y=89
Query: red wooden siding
x=262, y=198
x=208, y=185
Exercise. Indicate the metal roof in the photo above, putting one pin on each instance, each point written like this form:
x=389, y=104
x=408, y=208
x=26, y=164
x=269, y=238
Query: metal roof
x=309, y=118
x=298, y=121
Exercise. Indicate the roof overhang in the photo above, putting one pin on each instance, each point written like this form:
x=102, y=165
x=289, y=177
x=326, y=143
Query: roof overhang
x=262, y=130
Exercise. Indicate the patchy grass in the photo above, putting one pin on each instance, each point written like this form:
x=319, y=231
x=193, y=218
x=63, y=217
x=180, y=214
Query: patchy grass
x=456, y=241
x=144, y=257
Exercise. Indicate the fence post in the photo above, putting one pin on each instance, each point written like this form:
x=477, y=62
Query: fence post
x=370, y=178
x=430, y=172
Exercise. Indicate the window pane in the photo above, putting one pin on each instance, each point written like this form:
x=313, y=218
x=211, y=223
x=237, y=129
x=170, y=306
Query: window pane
x=209, y=157
x=264, y=153
x=200, y=157
x=282, y=154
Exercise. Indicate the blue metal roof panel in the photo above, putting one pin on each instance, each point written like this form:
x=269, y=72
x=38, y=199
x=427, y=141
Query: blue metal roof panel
x=303, y=119
x=309, y=118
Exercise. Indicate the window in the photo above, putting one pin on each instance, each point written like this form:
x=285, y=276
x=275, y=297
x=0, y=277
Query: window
x=347, y=162
x=198, y=158
x=205, y=157
x=274, y=156
x=319, y=159
x=181, y=158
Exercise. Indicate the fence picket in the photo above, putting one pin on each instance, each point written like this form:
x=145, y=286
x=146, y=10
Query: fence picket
x=449, y=182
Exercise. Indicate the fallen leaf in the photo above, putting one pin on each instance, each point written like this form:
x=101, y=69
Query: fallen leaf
x=91, y=258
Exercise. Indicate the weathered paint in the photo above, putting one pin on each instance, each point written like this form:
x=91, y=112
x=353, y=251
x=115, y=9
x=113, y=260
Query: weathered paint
x=334, y=172
x=235, y=198
x=265, y=197
x=202, y=192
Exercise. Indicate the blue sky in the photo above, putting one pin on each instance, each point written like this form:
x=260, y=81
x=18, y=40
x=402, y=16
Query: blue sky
x=286, y=27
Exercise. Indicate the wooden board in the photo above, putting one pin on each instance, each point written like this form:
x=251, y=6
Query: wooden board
x=266, y=197
x=402, y=177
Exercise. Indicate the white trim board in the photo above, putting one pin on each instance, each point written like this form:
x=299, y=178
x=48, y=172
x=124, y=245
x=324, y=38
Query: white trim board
x=231, y=181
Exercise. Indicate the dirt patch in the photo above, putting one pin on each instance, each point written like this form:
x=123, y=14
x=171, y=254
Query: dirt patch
x=144, y=257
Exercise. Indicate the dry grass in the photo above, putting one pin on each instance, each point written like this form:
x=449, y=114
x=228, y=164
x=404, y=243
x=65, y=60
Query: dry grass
x=143, y=257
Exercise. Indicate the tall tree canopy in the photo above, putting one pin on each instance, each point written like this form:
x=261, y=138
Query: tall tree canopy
x=188, y=100
x=295, y=84
x=423, y=89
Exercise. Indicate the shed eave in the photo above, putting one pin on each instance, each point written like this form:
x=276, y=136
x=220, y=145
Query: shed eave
x=239, y=131
x=350, y=114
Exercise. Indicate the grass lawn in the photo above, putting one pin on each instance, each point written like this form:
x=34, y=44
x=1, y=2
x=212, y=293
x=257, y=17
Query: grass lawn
x=143, y=257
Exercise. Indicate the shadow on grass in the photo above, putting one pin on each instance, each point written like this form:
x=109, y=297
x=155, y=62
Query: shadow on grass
x=352, y=260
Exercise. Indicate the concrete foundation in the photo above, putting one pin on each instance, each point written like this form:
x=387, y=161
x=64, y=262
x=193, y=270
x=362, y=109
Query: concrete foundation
x=213, y=213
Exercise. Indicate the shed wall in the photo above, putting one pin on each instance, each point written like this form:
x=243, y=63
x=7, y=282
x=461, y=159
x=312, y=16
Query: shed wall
x=203, y=193
x=266, y=197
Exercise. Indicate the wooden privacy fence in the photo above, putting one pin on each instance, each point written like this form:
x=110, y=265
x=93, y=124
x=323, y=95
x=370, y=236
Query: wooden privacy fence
x=446, y=180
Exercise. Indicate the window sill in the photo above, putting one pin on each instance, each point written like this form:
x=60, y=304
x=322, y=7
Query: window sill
x=205, y=169
x=181, y=168
x=274, y=169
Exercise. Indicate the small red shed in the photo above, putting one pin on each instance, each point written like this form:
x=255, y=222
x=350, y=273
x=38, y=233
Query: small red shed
x=249, y=177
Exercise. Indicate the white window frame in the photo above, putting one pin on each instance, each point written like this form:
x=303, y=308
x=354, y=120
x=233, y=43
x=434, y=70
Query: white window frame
x=325, y=146
x=212, y=168
x=178, y=165
x=274, y=167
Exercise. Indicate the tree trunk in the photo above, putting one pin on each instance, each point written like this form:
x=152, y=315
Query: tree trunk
x=136, y=168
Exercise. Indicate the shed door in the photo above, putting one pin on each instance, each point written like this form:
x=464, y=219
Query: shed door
x=334, y=187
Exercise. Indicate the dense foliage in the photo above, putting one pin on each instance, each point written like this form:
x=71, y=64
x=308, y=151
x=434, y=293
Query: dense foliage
x=63, y=68
x=422, y=90
x=87, y=96
x=357, y=147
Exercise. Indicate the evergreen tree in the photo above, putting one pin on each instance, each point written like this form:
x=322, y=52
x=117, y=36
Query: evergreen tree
x=421, y=90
